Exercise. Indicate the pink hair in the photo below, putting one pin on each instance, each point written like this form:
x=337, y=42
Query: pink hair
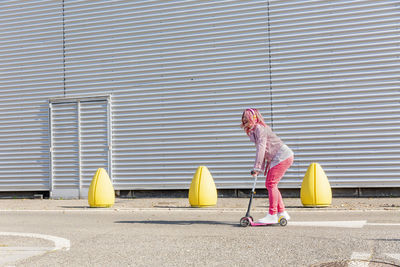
x=250, y=118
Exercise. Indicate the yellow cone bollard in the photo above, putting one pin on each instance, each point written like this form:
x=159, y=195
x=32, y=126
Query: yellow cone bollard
x=315, y=189
x=101, y=192
x=202, y=192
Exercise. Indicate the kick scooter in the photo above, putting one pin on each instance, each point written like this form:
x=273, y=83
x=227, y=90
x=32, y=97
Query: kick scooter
x=249, y=221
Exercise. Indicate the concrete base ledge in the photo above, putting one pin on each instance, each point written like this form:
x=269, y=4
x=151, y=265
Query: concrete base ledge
x=25, y=195
x=244, y=193
x=222, y=193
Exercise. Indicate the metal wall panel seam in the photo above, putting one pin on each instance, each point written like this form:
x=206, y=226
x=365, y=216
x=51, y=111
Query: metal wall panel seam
x=51, y=142
x=78, y=109
x=110, y=138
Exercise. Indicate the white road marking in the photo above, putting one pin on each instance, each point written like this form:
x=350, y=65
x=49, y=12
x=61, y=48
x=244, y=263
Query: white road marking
x=339, y=224
x=360, y=256
x=358, y=263
x=59, y=243
x=10, y=255
x=383, y=224
x=394, y=256
x=359, y=259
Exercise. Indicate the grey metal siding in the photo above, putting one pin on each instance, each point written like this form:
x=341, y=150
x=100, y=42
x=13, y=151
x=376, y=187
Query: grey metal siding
x=335, y=84
x=324, y=74
x=180, y=74
x=31, y=71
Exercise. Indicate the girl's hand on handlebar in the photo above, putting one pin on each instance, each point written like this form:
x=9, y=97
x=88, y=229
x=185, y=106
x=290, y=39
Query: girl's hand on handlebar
x=254, y=173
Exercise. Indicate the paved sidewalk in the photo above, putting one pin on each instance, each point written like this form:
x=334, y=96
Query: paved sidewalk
x=183, y=204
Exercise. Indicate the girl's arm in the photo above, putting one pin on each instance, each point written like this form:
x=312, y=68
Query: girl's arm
x=261, y=142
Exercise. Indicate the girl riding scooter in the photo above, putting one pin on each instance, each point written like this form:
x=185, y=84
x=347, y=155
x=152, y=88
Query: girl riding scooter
x=279, y=157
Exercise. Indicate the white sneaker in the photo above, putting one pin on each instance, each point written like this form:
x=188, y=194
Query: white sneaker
x=284, y=215
x=270, y=219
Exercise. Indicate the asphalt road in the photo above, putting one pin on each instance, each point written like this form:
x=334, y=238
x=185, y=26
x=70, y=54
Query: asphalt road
x=196, y=237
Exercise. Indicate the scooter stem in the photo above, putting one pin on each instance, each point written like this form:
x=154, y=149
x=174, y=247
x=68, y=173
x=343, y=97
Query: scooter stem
x=254, y=184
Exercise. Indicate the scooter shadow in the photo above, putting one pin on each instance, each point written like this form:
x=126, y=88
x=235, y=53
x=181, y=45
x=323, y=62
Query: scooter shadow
x=190, y=222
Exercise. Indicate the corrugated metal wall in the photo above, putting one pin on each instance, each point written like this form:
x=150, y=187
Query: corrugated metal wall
x=181, y=72
x=31, y=71
x=335, y=84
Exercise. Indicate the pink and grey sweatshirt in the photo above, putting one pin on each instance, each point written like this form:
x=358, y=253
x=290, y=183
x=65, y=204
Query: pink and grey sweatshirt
x=269, y=148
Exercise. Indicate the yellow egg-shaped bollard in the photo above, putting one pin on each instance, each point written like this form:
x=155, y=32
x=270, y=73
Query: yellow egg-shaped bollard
x=202, y=192
x=101, y=191
x=315, y=189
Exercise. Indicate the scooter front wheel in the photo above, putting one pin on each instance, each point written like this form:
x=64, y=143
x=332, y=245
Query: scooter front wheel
x=244, y=222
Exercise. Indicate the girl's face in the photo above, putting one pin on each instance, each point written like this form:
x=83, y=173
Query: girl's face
x=245, y=120
x=247, y=124
x=250, y=118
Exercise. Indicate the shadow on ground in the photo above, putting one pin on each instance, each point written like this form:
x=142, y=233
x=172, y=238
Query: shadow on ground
x=190, y=222
x=75, y=207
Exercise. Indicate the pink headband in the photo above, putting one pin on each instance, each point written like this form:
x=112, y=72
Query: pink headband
x=252, y=111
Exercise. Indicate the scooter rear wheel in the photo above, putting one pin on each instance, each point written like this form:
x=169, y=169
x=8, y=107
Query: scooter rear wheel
x=283, y=222
x=244, y=222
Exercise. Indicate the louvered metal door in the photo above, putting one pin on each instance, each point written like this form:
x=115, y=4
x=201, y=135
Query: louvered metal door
x=80, y=144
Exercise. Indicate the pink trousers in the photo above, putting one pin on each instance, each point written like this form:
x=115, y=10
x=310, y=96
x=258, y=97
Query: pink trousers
x=274, y=175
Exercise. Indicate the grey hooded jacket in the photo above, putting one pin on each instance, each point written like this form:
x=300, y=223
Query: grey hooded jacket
x=269, y=148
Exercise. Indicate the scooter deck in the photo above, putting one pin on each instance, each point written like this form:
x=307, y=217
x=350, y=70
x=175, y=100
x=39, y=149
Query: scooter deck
x=262, y=224
x=248, y=221
x=267, y=224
